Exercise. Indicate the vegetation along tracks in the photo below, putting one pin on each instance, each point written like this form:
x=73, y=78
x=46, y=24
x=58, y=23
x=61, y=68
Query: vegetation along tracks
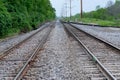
x=19, y=58
x=106, y=56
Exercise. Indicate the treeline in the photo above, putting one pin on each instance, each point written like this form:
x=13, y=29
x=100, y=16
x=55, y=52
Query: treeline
x=111, y=12
x=23, y=15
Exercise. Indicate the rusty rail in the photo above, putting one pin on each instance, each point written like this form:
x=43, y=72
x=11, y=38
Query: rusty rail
x=104, y=70
x=28, y=63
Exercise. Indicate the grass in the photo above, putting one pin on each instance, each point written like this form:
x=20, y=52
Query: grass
x=114, y=23
x=10, y=33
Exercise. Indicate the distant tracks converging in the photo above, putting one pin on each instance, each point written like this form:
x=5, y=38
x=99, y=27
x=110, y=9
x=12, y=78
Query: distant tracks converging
x=105, y=55
x=15, y=61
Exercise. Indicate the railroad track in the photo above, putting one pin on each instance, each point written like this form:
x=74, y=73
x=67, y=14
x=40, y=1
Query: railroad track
x=109, y=42
x=106, y=56
x=45, y=71
x=6, y=51
x=15, y=62
x=86, y=61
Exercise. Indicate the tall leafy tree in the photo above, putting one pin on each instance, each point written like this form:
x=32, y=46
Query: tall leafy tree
x=24, y=15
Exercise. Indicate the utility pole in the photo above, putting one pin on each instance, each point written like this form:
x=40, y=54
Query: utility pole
x=66, y=8
x=70, y=10
x=62, y=12
x=81, y=14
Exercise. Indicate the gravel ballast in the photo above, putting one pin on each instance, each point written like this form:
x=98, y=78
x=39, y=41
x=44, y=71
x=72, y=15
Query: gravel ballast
x=109, y=34
x=108, y=56
x=61, y=60
x=7, y=43
x=12, y=63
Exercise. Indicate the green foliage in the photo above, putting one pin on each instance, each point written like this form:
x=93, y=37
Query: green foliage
x=114, y=10
x=110, y=13
x=23, y=15
x=101, y=22
x=99, y=14
x=109, y=16
x=5, y=20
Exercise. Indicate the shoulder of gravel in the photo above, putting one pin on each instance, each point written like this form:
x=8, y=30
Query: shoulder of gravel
x=12, y=37
x=19, y=36
x=102, y=31
x=94, y=24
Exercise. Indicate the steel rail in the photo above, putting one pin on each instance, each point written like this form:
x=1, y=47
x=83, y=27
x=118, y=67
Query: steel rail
x=6, y=52
x=104, y=70
x=106, y=42
x=24, y=69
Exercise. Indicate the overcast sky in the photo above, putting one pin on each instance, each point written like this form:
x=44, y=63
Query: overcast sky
x=88, y=5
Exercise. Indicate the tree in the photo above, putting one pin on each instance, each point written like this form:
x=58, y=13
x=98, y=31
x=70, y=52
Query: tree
x=24, y=15
x=109, y=3
x=97, y=7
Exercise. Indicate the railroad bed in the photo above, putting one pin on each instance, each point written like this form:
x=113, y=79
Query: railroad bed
x=110, y=34
x=106, y=54
x=63, y=59
x=17, y=56
x=10, y=42
x=54, y=54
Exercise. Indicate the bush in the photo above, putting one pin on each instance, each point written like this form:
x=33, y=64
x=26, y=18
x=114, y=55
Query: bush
x=23, y=15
